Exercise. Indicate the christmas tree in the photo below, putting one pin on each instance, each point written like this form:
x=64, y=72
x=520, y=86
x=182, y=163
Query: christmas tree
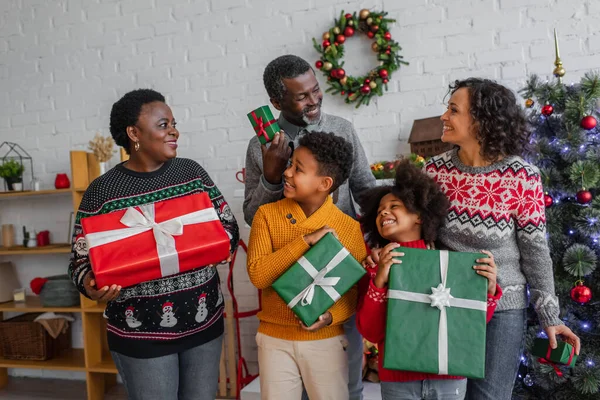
x=566, y=148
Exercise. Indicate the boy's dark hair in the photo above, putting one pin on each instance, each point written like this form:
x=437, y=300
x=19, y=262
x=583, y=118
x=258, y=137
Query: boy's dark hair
x=333, y=154
x=126, y=111
x=283, y=67
x=419, y=193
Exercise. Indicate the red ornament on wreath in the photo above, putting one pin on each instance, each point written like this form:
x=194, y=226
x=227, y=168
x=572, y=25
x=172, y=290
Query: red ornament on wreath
x=580, y=293
x=319, y=64
x=588, y=123
x=548, y=200
x=584, y=196
x=547, y=110
x=358, y=89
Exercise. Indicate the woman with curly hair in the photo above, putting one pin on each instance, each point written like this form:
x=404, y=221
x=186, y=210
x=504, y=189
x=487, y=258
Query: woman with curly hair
x=165, y=335
x=496, y=203
x=408, y=214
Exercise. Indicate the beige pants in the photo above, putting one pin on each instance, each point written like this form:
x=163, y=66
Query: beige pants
x=285, y=365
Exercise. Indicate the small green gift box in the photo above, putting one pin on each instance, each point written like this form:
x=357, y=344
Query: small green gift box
x=318, y=279
x=436, y=316
x=265, y=126
x=563, y=354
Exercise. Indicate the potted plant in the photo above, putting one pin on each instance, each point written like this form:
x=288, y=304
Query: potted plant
x=12, y=172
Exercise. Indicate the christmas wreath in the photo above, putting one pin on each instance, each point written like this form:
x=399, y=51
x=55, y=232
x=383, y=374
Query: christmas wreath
x=361, y=89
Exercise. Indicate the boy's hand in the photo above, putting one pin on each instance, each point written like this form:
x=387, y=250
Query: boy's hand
x=324, y=320
x=312, y=238
x=103, y=294
x=386, y=259
x=489, y=271
x=275, y=158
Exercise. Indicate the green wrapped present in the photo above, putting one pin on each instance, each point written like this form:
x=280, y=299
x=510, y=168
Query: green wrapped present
x=436, y=315
x=318, y=279
x=264, y=124
x=563, y=354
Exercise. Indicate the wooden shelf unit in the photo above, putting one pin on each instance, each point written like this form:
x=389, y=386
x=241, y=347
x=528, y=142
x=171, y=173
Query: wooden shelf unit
x=94, y=359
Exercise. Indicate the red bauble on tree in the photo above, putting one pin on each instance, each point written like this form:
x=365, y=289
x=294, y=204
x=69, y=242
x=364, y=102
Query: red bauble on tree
x=548, y=200
x=581, y=293
x=319, y=64
x=340, y=38
x=584, y=196
x=349, y=31
x=547, y=110
x=588, y=123
x=387, y=36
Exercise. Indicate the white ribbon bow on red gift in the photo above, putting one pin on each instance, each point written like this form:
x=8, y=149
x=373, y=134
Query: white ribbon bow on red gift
x=137, y=222
x=305, y=297
x=441, y=298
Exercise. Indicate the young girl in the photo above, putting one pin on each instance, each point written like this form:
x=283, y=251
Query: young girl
x=407, y=214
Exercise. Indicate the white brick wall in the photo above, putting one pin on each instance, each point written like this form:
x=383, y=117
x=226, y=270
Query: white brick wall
x=64, y=62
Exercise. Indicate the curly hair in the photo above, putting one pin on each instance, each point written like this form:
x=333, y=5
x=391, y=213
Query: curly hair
x=503, y=127
x=333, y=154
x=283, y=67
x=419, y=193
x=126, y=111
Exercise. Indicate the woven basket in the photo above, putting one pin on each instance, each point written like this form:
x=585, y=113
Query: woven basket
x=23, y=339
x=59, y=291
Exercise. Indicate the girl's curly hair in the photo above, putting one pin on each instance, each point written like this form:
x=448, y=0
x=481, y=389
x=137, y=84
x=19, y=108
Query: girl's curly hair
x=503, y=127
x=419, y=193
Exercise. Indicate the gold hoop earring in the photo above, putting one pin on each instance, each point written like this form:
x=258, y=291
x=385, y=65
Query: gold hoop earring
x=136, y=146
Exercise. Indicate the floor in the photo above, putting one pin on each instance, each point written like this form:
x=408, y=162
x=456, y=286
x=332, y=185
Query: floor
x=52, y=389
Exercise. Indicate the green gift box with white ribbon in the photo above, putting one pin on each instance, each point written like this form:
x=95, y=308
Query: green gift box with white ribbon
x=436, y=315
x=318, y=279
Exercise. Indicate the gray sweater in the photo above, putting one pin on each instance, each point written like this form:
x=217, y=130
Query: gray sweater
x=258, y=191
x=500, y=208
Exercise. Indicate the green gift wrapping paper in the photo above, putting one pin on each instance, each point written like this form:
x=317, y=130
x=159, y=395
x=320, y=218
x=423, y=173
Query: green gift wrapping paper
x=436, y=325
x=318, y=279
x=265, y=126
x=563, y=354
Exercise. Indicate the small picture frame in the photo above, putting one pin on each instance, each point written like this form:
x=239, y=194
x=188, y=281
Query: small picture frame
x=19, y=295
x=71, y=228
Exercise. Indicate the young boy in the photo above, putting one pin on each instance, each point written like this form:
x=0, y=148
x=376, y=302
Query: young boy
x=290, y=354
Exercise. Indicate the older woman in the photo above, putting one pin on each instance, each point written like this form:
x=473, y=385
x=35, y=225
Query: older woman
x=496, y=204
x=162, y=345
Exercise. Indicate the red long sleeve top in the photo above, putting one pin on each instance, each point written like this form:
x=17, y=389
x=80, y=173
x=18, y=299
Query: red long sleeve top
x=371, y=320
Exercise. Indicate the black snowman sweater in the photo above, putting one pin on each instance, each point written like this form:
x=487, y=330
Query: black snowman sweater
x=168, y=315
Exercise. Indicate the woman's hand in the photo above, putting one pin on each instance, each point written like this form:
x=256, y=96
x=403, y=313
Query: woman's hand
x=105, y=294
x=489, y=271
x=386, y=259
x=566, y=333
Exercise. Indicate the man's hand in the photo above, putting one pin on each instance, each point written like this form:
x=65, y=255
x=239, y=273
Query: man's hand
x=105, y=294
x=275, y=158
x=324, y=320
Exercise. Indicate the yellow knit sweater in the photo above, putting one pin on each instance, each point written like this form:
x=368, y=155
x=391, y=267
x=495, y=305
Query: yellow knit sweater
x=276, y=243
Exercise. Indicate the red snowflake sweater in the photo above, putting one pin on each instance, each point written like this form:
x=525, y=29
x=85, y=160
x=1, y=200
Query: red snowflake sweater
x=371, y=320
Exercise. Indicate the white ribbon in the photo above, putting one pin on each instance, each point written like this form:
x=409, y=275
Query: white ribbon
x=305, y=297
x=440, y=297
x=139, y=222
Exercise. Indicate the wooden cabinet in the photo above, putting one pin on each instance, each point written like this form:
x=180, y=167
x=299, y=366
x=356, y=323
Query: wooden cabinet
x=94, y=359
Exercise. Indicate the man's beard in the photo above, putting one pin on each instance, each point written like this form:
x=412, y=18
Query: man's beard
x=314, y=120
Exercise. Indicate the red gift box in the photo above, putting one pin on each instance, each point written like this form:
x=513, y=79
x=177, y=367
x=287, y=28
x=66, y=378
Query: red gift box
x=151, y=241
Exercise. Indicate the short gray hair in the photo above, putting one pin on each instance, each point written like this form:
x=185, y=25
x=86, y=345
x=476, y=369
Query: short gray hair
x=284, y=67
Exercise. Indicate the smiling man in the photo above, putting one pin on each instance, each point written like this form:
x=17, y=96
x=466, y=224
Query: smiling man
x=294, y=91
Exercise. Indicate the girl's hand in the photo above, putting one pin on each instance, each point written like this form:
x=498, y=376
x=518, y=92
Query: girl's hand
x=386, y=259
x=372, y=259
x=489, y=271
